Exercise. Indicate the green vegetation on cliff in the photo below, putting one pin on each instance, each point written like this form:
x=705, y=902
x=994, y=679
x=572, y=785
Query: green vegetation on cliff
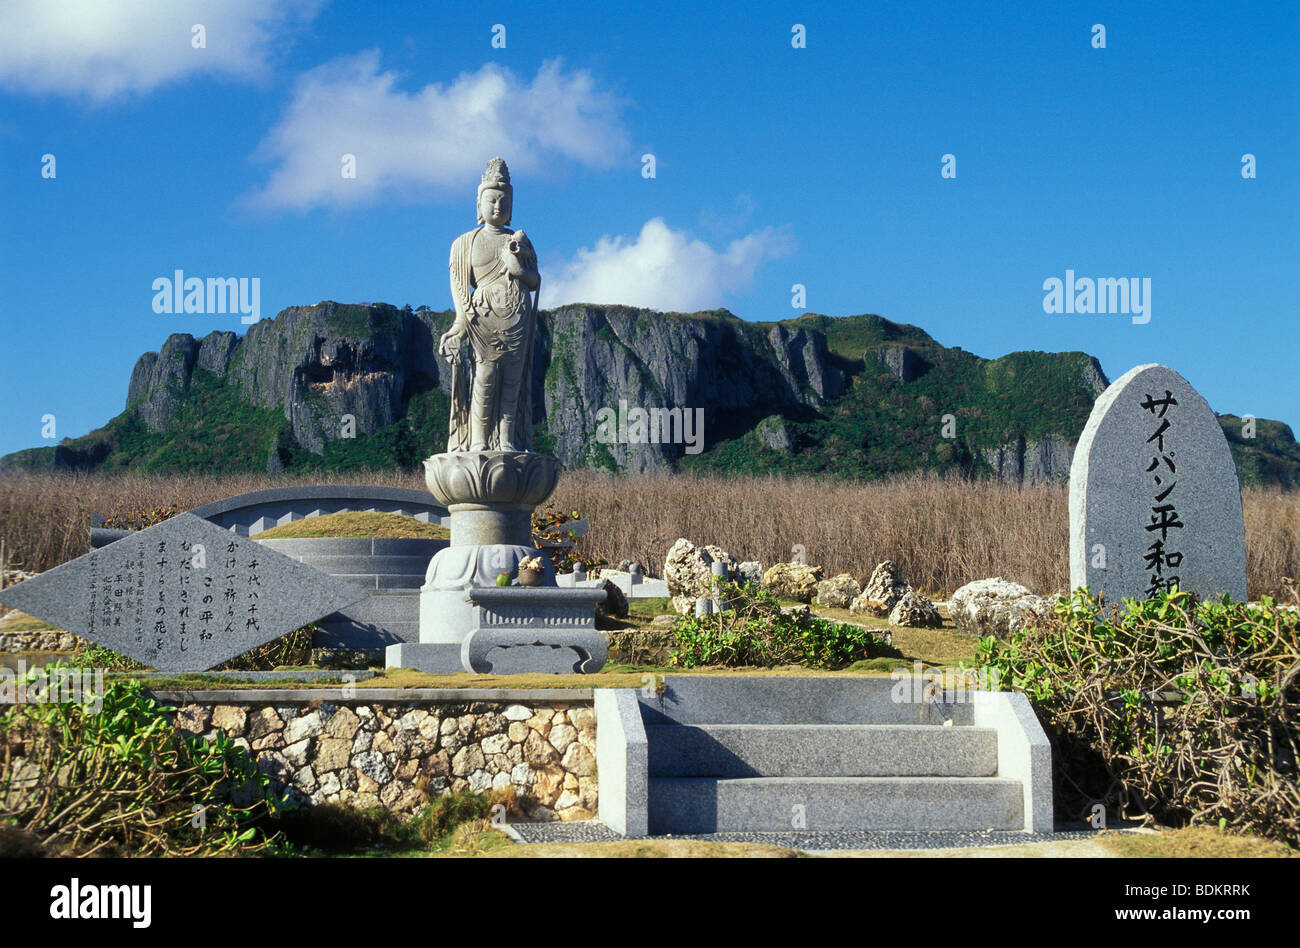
x=336, y=387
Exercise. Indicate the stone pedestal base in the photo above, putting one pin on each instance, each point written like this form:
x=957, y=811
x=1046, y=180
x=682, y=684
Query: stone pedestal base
x=467, y=622
x=436, y=658
x=445, y=612
x=515, y=630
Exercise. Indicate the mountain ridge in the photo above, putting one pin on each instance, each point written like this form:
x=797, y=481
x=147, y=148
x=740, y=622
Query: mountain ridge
x=338, y=386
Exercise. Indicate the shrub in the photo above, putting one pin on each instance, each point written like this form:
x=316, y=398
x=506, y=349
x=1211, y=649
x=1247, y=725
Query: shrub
x=1176, y=709
x=545, y=537
x=93, y=655
x=293, y=648
x=754, y=631
x=443, y=814
x=339, y=828
x=123, y=779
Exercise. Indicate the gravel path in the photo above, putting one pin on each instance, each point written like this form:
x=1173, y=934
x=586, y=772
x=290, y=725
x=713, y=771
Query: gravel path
x=593, y=831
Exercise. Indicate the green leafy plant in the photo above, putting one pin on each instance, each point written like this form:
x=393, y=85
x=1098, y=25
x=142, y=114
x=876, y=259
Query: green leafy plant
x=339, y=828
x=753, y=630
x=120, y=779
x=291, y=649
x=92, y=655
x=1173, y=708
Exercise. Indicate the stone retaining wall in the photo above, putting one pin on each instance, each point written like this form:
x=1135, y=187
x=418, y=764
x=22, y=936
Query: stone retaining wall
x=399, y=755
x=47, y=640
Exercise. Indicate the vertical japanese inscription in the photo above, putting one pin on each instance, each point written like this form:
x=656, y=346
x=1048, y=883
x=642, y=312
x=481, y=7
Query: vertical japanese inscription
x=1155, y=503
x=1160, y=558
x=155, y=595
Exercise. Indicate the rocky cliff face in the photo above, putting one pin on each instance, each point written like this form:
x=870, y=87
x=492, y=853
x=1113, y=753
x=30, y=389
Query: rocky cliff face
x=1030, y=461
x=352, y=385
x=618, y=358
x=321, y=365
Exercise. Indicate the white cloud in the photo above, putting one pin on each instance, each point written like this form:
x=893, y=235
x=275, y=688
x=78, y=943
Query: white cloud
x=100, y=49
x=435, y=139
x=661, y=269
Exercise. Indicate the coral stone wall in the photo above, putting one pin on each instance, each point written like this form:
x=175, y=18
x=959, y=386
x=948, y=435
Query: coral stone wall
x=400, y=755
x=48, y=640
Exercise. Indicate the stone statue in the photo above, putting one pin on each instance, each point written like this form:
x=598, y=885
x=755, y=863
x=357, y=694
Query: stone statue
x=494, y=285
x=474, y=617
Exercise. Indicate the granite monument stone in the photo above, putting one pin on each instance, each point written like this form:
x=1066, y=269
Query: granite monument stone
x=182, y=596
x=1154, y=496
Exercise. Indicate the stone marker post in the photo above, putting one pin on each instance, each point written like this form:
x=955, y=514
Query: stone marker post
x=1154, y=496
x=182, y=596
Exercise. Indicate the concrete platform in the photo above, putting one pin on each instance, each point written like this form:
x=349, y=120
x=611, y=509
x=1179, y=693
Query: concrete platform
x=828, y=750
x=697, y=805
x=437, y=658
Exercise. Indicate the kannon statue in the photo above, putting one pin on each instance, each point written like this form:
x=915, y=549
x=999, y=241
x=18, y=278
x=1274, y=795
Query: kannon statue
x=494, y=286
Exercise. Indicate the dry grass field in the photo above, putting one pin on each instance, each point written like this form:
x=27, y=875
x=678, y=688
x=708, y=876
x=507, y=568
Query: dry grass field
x=942, y=533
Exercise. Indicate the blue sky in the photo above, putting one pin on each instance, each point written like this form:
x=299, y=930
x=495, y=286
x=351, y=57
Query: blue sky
x=773, y=166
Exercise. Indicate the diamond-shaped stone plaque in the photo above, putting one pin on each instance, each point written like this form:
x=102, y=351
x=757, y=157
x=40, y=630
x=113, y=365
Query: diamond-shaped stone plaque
x=183, y=595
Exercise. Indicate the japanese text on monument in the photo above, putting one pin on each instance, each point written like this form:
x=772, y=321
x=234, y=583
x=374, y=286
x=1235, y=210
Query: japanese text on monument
x=1160, y=557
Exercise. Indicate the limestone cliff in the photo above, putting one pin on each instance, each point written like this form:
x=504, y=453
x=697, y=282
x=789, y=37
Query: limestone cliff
x=343, y=386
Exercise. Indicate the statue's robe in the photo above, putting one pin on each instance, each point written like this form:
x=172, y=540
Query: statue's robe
x=519, y=355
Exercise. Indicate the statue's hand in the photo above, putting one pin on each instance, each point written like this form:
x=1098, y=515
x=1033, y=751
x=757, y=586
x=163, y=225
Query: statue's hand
x=511, y=261
x=449, y=344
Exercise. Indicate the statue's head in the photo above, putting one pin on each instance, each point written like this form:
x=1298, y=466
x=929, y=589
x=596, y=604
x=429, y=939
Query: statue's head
x=495, y=195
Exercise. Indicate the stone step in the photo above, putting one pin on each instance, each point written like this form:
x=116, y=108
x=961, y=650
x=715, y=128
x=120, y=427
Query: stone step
x=822, y=700
x=368, y=563
x=385, y=618
x=387, y=605
x=384, y=582
x=770, y=804
x=395, y=582
x=355, y=635
x=820, y=750
x=300, y=547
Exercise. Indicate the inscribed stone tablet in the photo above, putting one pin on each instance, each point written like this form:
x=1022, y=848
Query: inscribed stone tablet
x=183, y=595
x=1154, y=496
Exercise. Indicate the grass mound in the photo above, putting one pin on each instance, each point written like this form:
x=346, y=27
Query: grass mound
x=336, y=828
x=357, y=524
